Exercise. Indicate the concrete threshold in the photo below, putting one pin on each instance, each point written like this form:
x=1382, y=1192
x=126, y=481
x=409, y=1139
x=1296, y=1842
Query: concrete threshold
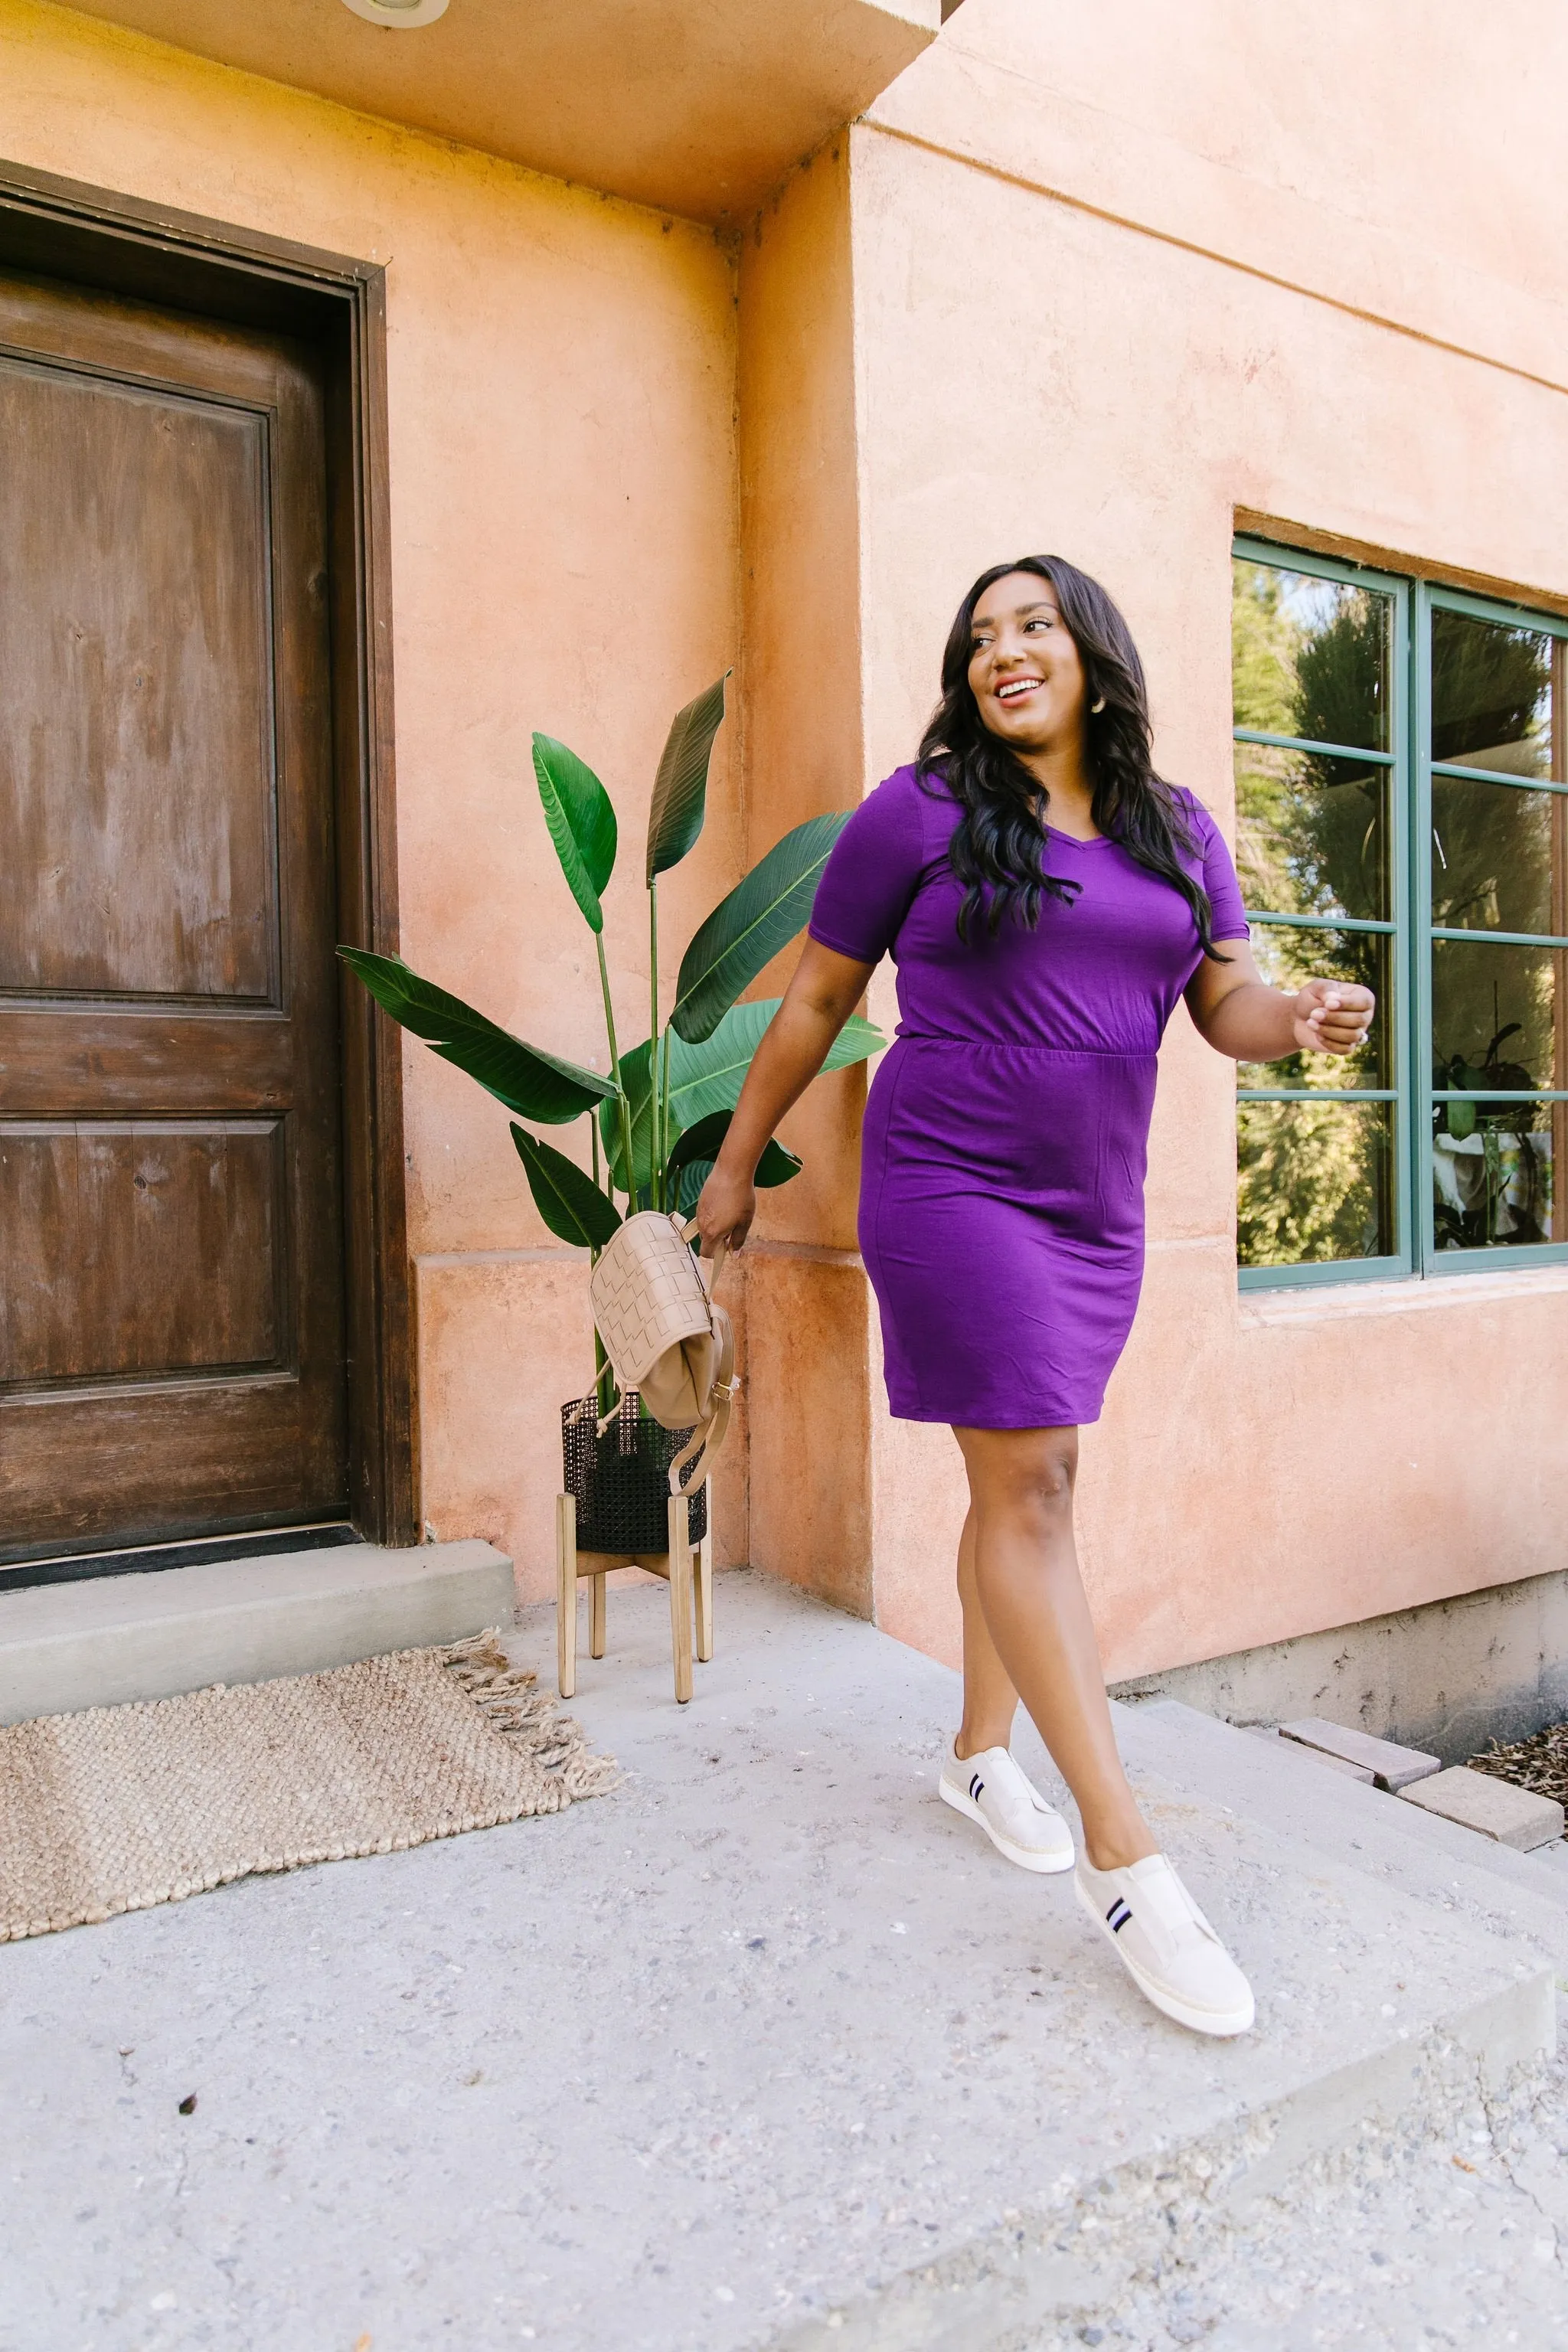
x=766, y=2048
x=103, y=1641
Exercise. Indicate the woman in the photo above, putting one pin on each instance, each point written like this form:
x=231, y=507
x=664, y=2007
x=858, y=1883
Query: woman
x=1046, y=898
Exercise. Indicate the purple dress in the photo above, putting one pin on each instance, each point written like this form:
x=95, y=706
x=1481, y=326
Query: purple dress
x=1005, y=1142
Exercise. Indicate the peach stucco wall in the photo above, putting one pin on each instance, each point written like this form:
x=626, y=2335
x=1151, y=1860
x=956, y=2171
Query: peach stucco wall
x=561, y=385
x=808, y=1368
x=1121, y=275
x=1096, y=280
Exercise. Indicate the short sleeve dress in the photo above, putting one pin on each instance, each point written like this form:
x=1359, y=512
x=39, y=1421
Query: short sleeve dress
x=1003, y=1151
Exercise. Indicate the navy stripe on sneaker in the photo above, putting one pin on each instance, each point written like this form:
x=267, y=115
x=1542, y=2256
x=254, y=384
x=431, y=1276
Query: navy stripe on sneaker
x=1118, y=1915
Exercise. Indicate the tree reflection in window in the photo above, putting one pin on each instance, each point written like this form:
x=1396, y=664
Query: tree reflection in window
x=1329, y=777
x=1313, y=661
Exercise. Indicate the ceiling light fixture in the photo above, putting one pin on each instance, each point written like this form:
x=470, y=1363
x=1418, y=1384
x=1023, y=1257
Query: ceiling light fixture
x=400, y=15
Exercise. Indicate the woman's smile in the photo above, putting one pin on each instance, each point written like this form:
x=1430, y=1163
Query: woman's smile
x=1025, y=671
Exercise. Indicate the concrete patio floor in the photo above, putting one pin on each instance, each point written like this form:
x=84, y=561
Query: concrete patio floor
x=769, y=2050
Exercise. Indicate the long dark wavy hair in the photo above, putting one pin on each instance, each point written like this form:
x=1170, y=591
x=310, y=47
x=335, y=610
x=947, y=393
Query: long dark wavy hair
x=998, y=848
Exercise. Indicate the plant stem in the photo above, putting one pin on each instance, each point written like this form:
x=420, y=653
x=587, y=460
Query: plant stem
x=661, y=1079
x=656, y=1138
x=601, y=1361
x=631, y=1173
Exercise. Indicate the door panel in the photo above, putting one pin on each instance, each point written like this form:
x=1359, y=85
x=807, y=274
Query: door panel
x=117, y=718
x=170, y=1283
x=157, y=1247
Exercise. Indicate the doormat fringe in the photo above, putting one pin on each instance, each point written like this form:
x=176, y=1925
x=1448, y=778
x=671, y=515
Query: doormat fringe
x=509, y=1699
x=121, y=1808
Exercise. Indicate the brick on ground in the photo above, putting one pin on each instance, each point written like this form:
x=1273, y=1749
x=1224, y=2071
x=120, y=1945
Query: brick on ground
x=1363, y=1773
x=1391, y=1766
x=1515, y=1817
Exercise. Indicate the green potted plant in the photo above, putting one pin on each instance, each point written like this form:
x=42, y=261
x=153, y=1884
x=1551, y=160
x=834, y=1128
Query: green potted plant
x=656, y=1120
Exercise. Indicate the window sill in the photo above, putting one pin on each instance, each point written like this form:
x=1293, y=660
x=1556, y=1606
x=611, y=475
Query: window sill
x=1337, y=1302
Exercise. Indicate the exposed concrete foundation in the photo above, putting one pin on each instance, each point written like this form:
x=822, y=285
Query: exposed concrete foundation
x=1446, y=1677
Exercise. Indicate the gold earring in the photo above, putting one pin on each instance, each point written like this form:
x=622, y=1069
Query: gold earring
x=1096, y=707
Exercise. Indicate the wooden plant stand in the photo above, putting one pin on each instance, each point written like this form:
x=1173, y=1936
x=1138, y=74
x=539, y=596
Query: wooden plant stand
x=686, y=1568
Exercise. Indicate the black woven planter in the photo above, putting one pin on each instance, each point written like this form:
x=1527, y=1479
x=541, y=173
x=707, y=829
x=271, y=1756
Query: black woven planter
x=621, y=1481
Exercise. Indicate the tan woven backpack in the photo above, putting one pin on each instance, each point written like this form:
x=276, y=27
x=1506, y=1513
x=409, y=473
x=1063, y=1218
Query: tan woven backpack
x=663, y=1333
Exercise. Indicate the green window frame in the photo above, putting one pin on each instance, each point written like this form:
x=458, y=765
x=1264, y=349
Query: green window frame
x=1392, y=1173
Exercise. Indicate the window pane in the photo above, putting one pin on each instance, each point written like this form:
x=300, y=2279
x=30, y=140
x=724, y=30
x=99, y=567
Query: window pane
x=1498, y=860
x=1315, y=1183
x=1288, y=958
x=1497, y=1015
x=1312, y=833
x=1493, y=1187
x=1491, y=694
x=1311, y=658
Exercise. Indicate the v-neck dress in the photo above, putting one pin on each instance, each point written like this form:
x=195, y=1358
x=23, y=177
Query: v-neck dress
x=1003, y=1150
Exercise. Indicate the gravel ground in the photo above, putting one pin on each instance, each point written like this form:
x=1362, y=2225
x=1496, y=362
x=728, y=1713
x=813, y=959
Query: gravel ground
x=1455, y=2238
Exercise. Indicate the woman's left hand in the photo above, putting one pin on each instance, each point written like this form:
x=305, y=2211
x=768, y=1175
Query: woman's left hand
x=1332, y=1016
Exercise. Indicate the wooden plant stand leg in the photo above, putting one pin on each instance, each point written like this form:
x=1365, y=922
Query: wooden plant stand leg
x=596, y=1618
x=566, y=1594
x=680, y=1594
x=703, y=1581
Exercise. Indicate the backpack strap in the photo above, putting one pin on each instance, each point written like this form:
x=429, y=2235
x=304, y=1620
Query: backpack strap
x=709, y=1436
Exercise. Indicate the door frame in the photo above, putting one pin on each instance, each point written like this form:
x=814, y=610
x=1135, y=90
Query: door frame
x=115, y=243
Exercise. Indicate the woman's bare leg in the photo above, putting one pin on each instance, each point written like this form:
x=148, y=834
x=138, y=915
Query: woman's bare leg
x=1024, y=1564
x=990, y=1701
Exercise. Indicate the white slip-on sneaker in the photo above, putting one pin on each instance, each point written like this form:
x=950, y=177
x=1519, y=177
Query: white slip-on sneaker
x=1172, y=1953
x=989, y=1788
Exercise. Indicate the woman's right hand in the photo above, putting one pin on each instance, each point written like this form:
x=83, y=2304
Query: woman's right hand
x=725, y=1207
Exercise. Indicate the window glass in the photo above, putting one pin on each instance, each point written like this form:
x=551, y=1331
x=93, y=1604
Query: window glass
x=1493, y=1187
x=1288, y=958
x=1495, y=1015
x=1312, y=832
x=1310, y=657
x=1491, y=694
x=1497, y=857
x=1428, y=863
x=1314, y=1183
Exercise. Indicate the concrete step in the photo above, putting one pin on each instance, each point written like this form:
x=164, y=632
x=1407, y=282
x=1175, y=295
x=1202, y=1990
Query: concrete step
x=767, y=2049
x=945, y=2039
x=1520, y=1897
x=108, y=1639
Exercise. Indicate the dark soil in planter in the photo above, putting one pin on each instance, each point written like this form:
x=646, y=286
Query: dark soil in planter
x=621, y=1480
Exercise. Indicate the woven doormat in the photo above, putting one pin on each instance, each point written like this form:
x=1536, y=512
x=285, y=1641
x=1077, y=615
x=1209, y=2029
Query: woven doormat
x=122, y=1807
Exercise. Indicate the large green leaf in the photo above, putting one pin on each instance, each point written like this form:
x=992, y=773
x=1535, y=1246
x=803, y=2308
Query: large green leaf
x=708, y=1076
x=746, y=930
x=582, y=821
x=680, y=787
x=688, y=1186
x=634, y=1069
x=698, y=1148
x=527, y=1081
x=570, y=1202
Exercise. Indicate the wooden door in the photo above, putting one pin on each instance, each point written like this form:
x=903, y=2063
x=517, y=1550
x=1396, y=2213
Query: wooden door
x=171, y=1221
